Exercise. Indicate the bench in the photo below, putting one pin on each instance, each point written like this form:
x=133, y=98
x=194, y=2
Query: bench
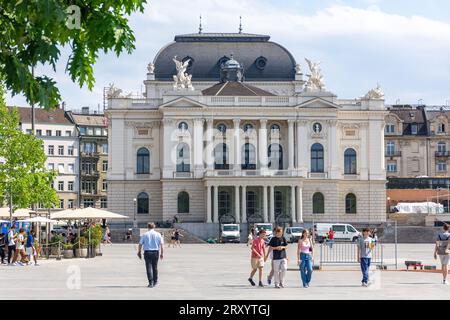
x=415, y=264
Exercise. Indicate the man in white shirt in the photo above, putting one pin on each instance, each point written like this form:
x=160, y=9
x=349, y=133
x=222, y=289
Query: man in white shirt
x=153, y=245
x=11, y=243
x=20, y=248
x=441, y=250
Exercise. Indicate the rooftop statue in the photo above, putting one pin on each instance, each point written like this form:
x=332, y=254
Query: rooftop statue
x=113, y=92
x=182, y=80
x=315, y=81
x=376, y=93
x=151, y=68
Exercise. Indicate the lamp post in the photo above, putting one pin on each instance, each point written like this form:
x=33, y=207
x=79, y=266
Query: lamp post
x=134, y=213
x=388, y=209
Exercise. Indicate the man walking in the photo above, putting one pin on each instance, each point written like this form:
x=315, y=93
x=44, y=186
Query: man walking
x=12, y=245
x=442, y=249
x=257, y=257
x=366, y=244
x=153, y=245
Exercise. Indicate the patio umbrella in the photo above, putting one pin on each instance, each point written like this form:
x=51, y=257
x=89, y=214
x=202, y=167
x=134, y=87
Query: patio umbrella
x=87, y=213
x=39, y=219
x=18, y=213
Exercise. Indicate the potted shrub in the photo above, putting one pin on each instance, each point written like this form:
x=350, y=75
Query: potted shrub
x=68, y=251
x=56, y=243
x=81, y=247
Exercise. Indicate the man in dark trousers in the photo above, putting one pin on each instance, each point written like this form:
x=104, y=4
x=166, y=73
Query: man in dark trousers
x=153, y=245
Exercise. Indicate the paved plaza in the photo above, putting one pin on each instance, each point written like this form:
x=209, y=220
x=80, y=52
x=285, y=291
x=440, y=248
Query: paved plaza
x=204, y=271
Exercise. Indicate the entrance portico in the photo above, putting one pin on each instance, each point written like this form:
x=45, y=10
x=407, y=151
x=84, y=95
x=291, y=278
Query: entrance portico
x=251, y=199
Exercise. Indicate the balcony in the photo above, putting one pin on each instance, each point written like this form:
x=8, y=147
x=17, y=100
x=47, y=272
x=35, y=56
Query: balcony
x=91, y=174
x=251, y=173
x=318, y=175
x=90, y=154
x=442, y=154
x=393, y=154
x=183, y=175
x=91, y=193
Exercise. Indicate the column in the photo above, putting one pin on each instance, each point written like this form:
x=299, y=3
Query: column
x=169, y=161
x=333, y=153
x=266, y=218
x=198, y=148
x=291, y=144
x=262, y=148
x=216, y=204
x=237, y=204
x=209, y=144
x=293, y=206
x=244, y=204
x=300, y=205
x=361, y=159
x=302, y=148
x=272, y=203
x=208, y=204
x=237, y=145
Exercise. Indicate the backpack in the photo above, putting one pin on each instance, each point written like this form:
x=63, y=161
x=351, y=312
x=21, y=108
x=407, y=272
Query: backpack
x=443, y=246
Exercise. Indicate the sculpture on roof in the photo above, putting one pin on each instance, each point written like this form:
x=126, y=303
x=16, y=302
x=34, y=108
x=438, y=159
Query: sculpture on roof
x=298, y=68
x=376, y=93
x=182, y=80
x=113, y=91
x=151, y=68
x=315, y=81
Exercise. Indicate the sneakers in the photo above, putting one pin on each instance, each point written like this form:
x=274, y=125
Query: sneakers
x=281, y=285
x=364, y=284
x=150, y=285
x=269, y=280
x=260, y=284
x=277, y=286
x=20, y=263
x=444, y=282
x=251, y=282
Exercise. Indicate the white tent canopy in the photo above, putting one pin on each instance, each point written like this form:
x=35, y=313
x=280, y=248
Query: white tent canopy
x=39, y=219
x=86, y=213
x=18, y=213
x=420, y=207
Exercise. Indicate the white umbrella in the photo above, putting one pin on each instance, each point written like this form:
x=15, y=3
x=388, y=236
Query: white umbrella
x=18, y=213
x=39, y=219
x=87, y=213
x=3, y=221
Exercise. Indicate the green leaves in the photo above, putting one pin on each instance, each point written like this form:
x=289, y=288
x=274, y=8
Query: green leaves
x=22, y=164
x=33, y=32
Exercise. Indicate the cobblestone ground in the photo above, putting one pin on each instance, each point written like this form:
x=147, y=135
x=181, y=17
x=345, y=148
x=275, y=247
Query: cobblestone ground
x=211, y=272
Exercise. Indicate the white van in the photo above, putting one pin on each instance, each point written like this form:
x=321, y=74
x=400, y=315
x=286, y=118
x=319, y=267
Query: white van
x=266, y=226
x=230, y=233
x=342, y=231
x=292, y=234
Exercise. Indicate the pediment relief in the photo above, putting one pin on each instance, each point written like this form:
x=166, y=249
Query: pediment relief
x=182, y=102
x=318, y=103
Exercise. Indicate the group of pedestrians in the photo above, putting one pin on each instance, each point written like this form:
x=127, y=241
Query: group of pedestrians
x=275, y=250
x=19, y=246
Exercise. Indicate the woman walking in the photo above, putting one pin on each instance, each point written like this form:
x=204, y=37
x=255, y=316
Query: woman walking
x=304, y=257
x=278, y=245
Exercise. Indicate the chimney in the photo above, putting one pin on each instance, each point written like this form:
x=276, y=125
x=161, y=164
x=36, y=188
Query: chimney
x=63, y=106
x=85, y=110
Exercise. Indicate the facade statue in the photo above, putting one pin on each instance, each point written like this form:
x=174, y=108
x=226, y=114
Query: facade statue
x=376, y=93
x=113, y=92
x=151, y=68
x=315, y=81
x=298, y=69
x=182, y=80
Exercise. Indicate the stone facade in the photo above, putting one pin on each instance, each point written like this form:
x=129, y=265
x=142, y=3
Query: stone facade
x=244, y=151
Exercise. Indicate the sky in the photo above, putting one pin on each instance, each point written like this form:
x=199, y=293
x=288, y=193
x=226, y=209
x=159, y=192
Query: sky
x=402, y=44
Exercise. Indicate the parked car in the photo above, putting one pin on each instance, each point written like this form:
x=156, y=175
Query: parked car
x=342, y=232
x=230, y=233
x=266, y=226
x=292, y=234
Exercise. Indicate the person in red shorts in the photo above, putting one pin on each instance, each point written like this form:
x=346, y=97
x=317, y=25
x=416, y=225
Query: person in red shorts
x=257, y=258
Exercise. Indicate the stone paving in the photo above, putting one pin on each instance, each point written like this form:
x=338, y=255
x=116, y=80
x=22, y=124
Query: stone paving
x=202, y=271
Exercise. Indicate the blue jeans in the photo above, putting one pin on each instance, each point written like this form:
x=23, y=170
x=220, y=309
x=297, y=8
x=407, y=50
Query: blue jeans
x=305, y=268
x=365, y=265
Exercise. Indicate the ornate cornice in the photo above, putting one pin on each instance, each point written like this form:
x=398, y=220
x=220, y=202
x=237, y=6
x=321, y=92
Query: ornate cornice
x=143, y=124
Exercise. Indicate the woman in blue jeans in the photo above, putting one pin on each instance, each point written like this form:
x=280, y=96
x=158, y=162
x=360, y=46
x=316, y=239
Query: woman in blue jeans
x=304, y=257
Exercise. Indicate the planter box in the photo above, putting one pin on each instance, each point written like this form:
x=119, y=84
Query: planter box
x=68, y=254
x=81, y=253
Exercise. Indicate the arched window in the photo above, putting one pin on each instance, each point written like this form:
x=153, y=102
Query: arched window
x=317, y=158
x=248, y=127
x=350, y=161
x=142, y=203
x=248, y=157
x=183, y=202
x=275, y=155
x=275, y=128
x=222, y=128
x=182, y=126
x=183, y=160
x=224, y=203
x=221, y=157
x=318, y=203
x=143, y=161
x=350, y=203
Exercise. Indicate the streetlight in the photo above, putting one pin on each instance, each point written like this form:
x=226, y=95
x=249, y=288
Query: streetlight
x=388, y=204
x=134, y=217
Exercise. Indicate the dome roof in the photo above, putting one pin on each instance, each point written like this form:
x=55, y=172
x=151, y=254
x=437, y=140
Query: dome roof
x=261, y=59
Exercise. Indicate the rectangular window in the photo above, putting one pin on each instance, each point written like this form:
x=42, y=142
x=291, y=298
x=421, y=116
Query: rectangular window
x=104, y=186
x=60, y=150
x=61, y=203
x=29, y=131
x=68, y=133
x=442, y=166
x=90, y=131
x=105, y=165
x=60, y=185
x=104, y=203
x=51, y=150
x=414, y=128
x=98, y=131
x=70, y=186
x=391, y=167
x=390, y=128
x=70, y=150
x=61, y=167
x=82, y=131
x=48, y=133
x=105, y=148
x=70, y=204
x=39, y=132
x=70, y=168
x=88, y=203
x=51, y=166
x=58, y=133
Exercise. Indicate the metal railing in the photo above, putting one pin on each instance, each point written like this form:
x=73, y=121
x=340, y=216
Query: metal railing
x=346, y=253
